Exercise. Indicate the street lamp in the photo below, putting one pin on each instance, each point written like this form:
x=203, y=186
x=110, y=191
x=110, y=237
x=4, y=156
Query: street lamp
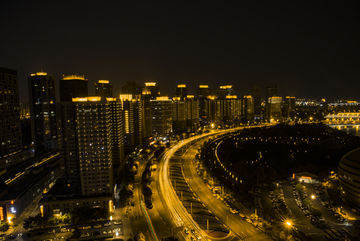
x=312, y=196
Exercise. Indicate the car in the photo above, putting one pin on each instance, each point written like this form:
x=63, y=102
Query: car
x=87, y=227
x=107, y=224
x=104, y=232
x=64, y=230
x=97, y=226
x=117, y=222
x=192, y=238
x=11, y=237
x=51, y=231
x=186, y=231
x=84, y=235
x=232, y=210
x=193, y=231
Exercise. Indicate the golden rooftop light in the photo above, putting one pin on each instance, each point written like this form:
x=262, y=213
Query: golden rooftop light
x=289, y=97
x=103, y=82
x=74, y=76
x=190, y=96
x=203, y=86
x=110, y=99
x=84, y=99
x=226, y=87
x=162, y=98
x=231, y=97
x=176, y=98
x=211, y=97
x=150, y=84
x=181, y=86
x=39, y=73
x=124, y=97
x=247, y=96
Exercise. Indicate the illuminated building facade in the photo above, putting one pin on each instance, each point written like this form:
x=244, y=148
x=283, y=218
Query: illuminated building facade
x=72, y=86
x=210, y=106
x=178, y=115
x=161, y=114
x=42, y=111
x=150, y=92
x=192, y=113
x=202, y=93
x=349, y=176
x=274, y=108
x=10, y=128
x=132, y=120
x=104, y=89
x=228, y=109
x=91, y=144
x=256, y=95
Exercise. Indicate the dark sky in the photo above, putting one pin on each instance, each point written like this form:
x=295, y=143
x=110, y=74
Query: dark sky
x=311, y=50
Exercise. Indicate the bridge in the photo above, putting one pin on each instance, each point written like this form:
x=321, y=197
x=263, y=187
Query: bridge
x=343, y=120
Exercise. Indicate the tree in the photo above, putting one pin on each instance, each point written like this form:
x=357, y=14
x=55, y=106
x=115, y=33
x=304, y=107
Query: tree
x=4, y=227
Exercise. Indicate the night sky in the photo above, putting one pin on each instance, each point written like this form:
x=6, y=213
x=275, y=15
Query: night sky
x=311, y=50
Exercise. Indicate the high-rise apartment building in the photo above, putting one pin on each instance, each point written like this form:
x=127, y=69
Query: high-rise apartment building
x=72, y=86
x=181, y=91
x=274, y=108
x=270, y=91
x=161, y=116
x=202, y=93
x=192, y=113
x=91, y=147
x=256, y=95
x=132, y=118
x=249, y=108
x=178, y=115
x=10, y=129
x=289, y=108
x=42, y=111
x=104, y=89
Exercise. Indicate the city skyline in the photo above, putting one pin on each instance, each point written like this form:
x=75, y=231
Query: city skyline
x=309, y=51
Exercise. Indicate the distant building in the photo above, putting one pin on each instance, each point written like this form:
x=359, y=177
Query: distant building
x=161, y=115
x=256, y=95
x=289, y=108
x=271, y=91
x=178, y=115
x=181, y=91
x=202, y=93
x=150, y=91
x=10, y=127
x=192, y=113
x=131, y=88
x=224, y=91
x=185, y=115
x=104, y=89
x=132, y=120
x=72, y=86
x=274, y=108
x=42, y=111
x=249, y=102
